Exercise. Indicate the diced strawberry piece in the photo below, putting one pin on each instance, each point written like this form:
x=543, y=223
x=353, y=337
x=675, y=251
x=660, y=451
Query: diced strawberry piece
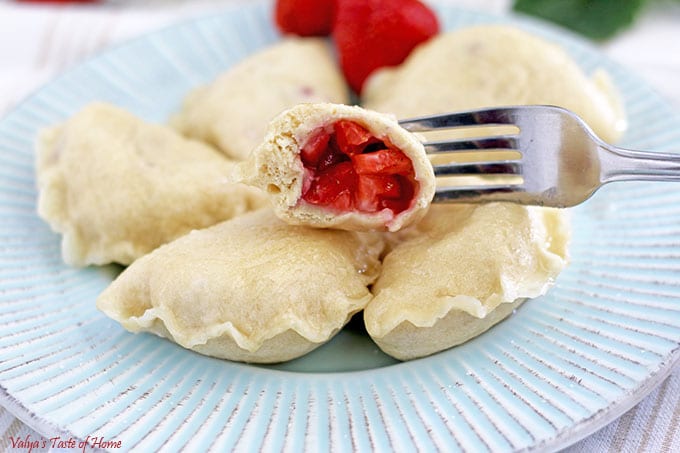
x=330, y=185
x=343, y=202
x=390, y=186
x=351, y=169
x=371, y=34
x=366, y=203
x=315, y=147
x=386, y=162
x=352, y=138
x=331, y=156
x=403, y=202
x=305, y=17
x=372, y=189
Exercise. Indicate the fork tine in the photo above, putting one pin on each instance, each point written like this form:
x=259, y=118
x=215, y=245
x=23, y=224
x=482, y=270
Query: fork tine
x=501, y=142
x=508, y=167
x=486, y=117
x=472, y=193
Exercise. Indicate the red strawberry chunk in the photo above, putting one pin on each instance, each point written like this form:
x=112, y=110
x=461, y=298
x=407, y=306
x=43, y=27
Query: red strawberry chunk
x=386, y=161
x=351, y=169
x=332, y=156
x=333, y=183
x=343, y=202
x=351, y=137
x=371, y=189
x=305, y=17
x=312, y=151
x=407, y=189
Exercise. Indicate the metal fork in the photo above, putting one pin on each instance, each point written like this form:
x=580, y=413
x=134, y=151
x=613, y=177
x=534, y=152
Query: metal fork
x=561, y=164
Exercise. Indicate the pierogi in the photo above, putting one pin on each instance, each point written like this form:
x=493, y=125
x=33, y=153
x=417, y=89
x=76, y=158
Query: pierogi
x=492, y=65
x=462, y=269
x=117, y=187
x=251, y=289
x=330, y=165
x=233, y=111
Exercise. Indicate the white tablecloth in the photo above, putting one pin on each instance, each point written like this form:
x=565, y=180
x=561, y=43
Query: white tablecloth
x=39, y=40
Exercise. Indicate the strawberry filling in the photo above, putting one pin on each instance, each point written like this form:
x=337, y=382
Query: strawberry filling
x=348, y=168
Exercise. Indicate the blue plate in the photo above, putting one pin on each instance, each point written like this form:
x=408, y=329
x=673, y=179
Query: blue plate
x=558, y=369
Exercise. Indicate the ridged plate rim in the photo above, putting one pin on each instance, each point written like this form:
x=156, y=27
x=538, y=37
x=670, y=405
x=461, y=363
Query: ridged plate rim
x=421, y=403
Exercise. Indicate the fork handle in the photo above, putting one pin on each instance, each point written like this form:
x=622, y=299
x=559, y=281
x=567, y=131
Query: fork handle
x=619, y=164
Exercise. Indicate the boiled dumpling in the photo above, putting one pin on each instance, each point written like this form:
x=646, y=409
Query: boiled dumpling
x=461, y=270
x=117, y=187
x=330, y=165
x=492, y=65
x=233, y=111
x=251, y=289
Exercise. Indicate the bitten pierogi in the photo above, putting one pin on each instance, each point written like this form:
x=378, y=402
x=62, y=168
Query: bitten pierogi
x=330, y=165
x=233, y=111
x=252, y=289
x=117, y=187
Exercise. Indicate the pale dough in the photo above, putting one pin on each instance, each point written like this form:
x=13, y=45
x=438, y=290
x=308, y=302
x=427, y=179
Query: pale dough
x=251, y=289
x=457, y=272
x=117, y=187
x=233, y=111
x=492, y=65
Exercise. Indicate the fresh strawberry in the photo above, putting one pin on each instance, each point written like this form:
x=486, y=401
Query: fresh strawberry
x=305, y=17
x=371, y=34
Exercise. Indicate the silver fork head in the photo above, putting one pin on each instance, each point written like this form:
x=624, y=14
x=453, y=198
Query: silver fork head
x=556, y=161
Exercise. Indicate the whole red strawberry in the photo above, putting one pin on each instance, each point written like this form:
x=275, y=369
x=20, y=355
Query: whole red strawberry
x=305, y=17
x=371, y=34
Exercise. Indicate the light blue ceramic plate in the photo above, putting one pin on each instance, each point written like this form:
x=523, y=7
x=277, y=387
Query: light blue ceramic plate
x=558, y=369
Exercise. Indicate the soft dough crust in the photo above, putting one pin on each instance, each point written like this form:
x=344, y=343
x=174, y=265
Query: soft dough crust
x=233, y=111
x=117, y=187
x=491, y=65
x=251, y=289
x=461, y=270
x=275, y=167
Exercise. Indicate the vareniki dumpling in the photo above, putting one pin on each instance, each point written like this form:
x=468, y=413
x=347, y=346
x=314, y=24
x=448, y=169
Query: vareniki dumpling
x=251, y=289
x=330, y=165
x=461, y=270
x=233, y=111
x=492, y=65
x=117, y=187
